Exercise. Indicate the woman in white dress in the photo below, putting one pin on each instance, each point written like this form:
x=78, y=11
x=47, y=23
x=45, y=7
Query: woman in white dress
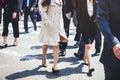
x=52, y=29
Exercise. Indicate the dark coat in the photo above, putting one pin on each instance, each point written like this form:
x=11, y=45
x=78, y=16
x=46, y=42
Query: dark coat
x=0, y=4
x=32, y=3
x=108, y=18
x=84, y=18
x=10, y=7
x=68, y=5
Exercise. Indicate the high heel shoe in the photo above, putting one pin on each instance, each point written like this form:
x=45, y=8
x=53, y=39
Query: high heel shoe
x=3, y=45
x=91, y=70
x=55, y=72
x=44, y=65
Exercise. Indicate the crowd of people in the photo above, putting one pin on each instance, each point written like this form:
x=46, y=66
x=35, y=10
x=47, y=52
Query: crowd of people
x=92, y=19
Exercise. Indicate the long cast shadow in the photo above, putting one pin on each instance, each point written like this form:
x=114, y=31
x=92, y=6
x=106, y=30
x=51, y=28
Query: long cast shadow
x=38, y=57
x=63, y=72
x=25, y=73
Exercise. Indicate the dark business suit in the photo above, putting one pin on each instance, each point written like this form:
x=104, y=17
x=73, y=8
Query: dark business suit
x=67, y=8
x=0, y=10
x=86, y=23
x=108, y=18
x=26, y=10
x=10, y=7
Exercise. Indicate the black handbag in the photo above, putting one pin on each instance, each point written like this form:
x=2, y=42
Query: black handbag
x=37, y=15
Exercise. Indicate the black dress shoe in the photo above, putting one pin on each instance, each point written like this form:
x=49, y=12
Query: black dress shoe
x=62, y=53
x=55, y=72
x=44, y=65
x=26, y=32
x=96, y=53
x=79, y=56
x=76, y=55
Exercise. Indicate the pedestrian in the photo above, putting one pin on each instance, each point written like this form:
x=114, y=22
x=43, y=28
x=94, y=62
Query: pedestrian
x=11, y=15
x=28, y=8
x=77, y=37
x=50, y=34
x=67, y=11
x=87, y=15
x=108, y=19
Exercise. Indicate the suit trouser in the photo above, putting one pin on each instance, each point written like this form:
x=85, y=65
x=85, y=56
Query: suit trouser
x=66, y=22
x=31, y=13
x=98, y=39
x=81, y=47
x=14, y=25
x=78, y=33
x=111, y=73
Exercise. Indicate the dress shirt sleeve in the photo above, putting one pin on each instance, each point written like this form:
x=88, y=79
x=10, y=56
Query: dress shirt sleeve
x=103, y=22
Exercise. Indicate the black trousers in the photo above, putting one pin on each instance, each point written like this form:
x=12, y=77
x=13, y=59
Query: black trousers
x=31, y=13
x=0, y=15
x=78, y=33
x=98, y=40
x=111, y=73
x=15, y=26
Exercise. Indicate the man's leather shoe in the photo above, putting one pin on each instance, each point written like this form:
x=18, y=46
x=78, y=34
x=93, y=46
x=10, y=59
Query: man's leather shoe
x=62, y=53
x=76, y=55
x=97, y=53
x=79, y=56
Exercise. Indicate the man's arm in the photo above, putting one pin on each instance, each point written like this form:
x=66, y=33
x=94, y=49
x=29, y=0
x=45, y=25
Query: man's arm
x=104, y=25
x=103, y=22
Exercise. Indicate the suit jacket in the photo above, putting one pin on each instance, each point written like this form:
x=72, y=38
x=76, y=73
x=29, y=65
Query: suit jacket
x=83, y=16
x=0, y=3
x=68, y=5
x=108, y=19
x=32, y=3
x=10, y=7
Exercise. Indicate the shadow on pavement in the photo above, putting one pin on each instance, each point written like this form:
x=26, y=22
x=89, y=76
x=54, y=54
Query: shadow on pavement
x=71, y=47
x=72, y=60
x=38, y=57
x=63, y=72
x=39, y=47
x=26, y=73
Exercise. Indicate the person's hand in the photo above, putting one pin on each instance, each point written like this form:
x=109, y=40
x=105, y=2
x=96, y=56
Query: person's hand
x=116, y=50
x=31, y=9
x=14, y=15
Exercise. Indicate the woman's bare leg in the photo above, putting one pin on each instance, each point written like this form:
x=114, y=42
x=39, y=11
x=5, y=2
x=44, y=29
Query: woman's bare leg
x=44, y=50
x=55, y=56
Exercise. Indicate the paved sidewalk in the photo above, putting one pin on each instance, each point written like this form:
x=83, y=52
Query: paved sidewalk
x=23, y=62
